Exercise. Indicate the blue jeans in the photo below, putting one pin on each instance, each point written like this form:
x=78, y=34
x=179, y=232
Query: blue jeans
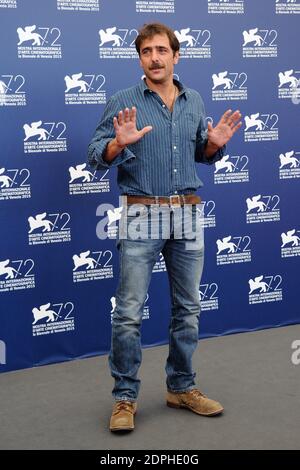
x=184, y=264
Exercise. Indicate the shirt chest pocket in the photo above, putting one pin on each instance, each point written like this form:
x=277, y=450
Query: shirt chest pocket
x=192, y=127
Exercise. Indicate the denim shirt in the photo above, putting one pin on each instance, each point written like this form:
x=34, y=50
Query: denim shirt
x=163, y=162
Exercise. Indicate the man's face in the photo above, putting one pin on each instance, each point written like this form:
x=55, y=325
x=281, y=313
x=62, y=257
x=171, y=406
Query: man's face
x=157, y=58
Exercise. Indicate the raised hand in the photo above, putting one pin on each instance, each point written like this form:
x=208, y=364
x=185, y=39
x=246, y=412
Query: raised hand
x=224, y=130
x=125, y=127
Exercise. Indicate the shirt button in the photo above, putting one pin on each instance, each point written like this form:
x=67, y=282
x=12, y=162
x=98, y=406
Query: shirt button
x=176, y=192
x=175, y=169
x=163, y=105
x=175, y=147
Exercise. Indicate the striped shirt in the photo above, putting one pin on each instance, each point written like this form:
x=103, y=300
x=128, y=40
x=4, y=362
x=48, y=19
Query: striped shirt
x=163, y=162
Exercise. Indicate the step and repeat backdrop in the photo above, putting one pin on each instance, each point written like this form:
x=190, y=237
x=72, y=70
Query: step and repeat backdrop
x=60, y=61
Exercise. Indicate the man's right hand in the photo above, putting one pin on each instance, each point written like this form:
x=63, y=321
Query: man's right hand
x=125, y=127
x=126, y=133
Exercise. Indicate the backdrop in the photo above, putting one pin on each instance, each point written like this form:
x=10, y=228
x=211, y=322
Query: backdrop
x=60, y=60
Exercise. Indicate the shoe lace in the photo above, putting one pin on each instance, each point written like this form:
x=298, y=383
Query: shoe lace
x=197, y=393
x=123, y=405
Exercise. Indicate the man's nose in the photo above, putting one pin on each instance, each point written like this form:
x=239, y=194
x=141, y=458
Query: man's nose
x=154, y=56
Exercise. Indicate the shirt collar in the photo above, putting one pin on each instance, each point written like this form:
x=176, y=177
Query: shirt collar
x=182, y=88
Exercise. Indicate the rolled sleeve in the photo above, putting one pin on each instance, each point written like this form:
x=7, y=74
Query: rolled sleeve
x=213, y=158
x=104, y=133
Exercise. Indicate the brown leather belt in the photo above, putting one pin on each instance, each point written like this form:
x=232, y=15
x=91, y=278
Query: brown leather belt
x=174, y=200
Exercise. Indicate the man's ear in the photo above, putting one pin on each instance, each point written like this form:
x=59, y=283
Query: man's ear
x=176, y=57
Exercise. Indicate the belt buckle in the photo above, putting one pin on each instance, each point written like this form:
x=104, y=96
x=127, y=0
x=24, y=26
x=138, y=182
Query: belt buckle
x=177, y=203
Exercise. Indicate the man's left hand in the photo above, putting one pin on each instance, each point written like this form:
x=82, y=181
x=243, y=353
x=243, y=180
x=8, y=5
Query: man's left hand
x=224, y=130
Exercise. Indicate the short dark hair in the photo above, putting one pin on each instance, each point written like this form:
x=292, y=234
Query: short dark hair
x=151, y=29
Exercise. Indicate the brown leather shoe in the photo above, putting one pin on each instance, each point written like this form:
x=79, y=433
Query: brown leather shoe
x=195, y=401
x=122, y=418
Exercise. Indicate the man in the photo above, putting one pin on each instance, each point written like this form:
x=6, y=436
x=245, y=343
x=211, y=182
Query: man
x=154, y=133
